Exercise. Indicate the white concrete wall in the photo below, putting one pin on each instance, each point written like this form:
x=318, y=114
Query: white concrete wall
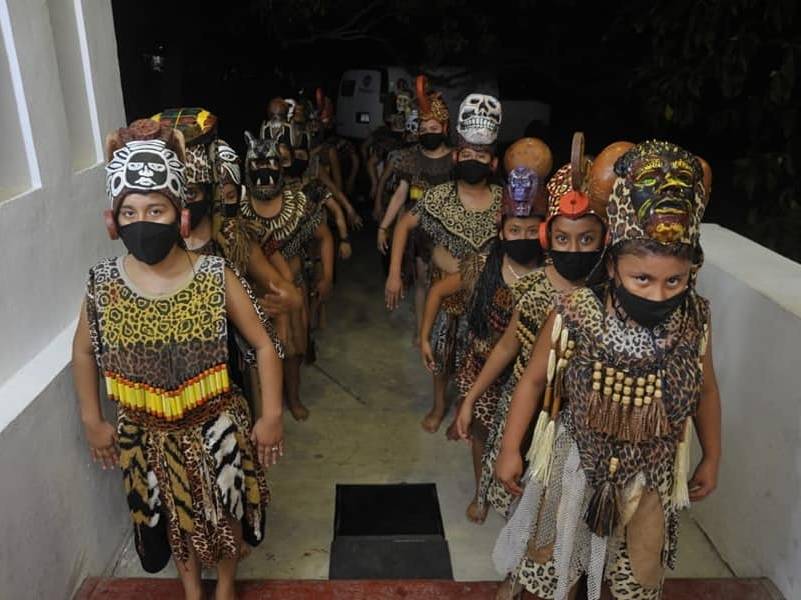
x=754, y=517
x=61, y=518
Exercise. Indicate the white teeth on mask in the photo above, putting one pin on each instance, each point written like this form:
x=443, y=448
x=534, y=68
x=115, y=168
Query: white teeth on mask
x=258, y=180
x=271, y=181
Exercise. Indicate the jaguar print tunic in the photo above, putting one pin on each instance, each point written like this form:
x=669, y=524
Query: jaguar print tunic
x=183, y=426
x=448, y=223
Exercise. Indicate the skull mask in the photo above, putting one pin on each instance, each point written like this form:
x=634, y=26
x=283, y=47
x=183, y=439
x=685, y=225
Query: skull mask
x=479, y=119
x=263, y=170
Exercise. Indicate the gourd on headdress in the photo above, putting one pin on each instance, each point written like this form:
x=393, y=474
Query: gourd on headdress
x=579, y=188
x=142, y=158
x=430, y=105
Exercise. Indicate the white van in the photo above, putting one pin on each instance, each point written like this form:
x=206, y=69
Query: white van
x=361, y=95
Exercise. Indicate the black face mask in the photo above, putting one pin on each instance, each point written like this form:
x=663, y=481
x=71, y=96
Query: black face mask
x=431, y=141
x=523, y=252
x=198, y=210
x=648, y=313
x=471, y=171
x=149, y=242
x=297, y=168
x=230, y=210
x=574, y=266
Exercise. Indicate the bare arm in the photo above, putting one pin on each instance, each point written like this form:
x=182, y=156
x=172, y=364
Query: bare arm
x=336, y=170
x=281, y=295
x=340, y=198
x=443, y=288
x=100, y=434
x=278, y=261
x=707, y=423
x=503, y=353
x=354, y=170
x=268, y=430
x=339, y=217
x=392, y=291
x=524, y=404
x=382, y=183
x=395, y=204
x=323, y=234
x=529, y=390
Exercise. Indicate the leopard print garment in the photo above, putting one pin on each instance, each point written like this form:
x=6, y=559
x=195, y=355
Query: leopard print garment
x=420, y=171
x=537, y=572
x=671, y=349
x=448, y=223
x=477, y=350
x=169, y=461
x=536, y=297
x=290, y=230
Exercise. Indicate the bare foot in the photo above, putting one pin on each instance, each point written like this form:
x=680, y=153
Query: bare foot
x=224, y=592
x=451, y=433
x=244, y=549
x=432, y=421
x=507, y=590
x=299, y=412
x=475, y=514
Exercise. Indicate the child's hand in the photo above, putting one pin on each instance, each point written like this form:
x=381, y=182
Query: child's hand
x=355, y=220
x=279, y=301
x=463, y=420
x=324, y=289
x=381, y=240
x=102, y=439
x=508, y=470
x=393, y=291
x=704, y=481
x=427, y=355
x=345, y=250
x=268, y=436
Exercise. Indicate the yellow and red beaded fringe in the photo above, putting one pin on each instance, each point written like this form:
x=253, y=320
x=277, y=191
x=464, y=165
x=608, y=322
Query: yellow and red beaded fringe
x=169, y=404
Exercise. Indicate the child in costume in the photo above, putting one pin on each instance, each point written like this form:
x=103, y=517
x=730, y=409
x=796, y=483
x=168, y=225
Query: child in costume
x=623, y=369
x=282, y=219
x=154, y=326
x=459, y=218
x=211, y=164
x=491, y=284
x=573, y=235
x=418, y=168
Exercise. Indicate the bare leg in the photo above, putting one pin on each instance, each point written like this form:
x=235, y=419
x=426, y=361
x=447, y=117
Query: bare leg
x=292, y=387
x=226, y=569
x=475, y=514
x=189, y=572
x=420, y=289
x=434, y=418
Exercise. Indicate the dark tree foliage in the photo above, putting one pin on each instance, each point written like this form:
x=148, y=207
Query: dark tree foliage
x=724, y=72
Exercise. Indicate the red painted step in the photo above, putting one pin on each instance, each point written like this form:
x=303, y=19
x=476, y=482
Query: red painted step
x=169, y=589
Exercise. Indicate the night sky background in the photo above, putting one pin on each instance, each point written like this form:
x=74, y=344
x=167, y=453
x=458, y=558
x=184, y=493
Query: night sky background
x=719, y=77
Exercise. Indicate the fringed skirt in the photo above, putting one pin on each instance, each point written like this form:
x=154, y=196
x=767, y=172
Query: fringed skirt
x=189, y=482
x=546, y=546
